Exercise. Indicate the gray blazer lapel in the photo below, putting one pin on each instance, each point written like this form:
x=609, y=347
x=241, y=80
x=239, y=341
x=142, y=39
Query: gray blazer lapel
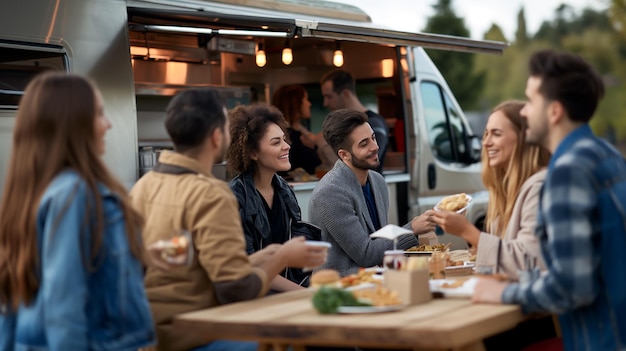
x=350, y=180
x=381, y=203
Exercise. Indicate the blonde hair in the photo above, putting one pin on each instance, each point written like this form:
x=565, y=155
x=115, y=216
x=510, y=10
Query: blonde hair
x=504, y=184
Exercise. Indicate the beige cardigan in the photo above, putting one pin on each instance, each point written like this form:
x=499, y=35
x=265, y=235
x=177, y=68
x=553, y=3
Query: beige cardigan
x=518, y=244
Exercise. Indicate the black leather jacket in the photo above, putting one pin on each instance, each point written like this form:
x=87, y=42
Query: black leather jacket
x=254, y=219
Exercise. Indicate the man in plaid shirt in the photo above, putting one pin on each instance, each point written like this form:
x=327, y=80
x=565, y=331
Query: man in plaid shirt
x=582, y=212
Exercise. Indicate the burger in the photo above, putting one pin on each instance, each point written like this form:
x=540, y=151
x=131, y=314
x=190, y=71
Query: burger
x=325, y=277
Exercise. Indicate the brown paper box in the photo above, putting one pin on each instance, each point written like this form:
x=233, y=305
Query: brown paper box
x=428, y=239
x=412, y=286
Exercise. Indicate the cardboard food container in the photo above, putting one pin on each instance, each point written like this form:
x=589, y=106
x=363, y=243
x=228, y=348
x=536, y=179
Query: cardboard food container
x=412, y=286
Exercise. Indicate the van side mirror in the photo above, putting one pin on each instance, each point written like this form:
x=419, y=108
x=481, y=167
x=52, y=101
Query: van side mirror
x=474, y=148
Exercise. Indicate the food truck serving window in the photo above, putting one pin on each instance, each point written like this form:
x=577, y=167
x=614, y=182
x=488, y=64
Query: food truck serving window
x=20, y=62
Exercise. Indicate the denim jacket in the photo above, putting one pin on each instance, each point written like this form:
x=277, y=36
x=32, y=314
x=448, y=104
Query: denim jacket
x=582, y=230
x=103, y=307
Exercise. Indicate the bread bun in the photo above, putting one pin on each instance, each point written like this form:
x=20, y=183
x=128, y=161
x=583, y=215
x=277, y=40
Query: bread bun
x=325, y=277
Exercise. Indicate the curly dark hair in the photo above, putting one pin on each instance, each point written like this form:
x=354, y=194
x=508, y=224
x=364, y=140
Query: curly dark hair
x=248, y=124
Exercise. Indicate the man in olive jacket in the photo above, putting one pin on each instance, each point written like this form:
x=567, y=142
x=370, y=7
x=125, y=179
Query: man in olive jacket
x=181, y=193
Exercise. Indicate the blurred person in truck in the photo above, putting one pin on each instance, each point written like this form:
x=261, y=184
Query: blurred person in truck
x=350, y=202
x=181, y=193
x=71, y=268
x=513, y=173
x=308, y=150
x=267, y=205
x=339, y=91
x=581, y=224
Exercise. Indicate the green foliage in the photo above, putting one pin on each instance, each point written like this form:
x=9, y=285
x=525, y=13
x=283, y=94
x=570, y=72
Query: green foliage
x=598, y=37
x=521, y=35
x=456, y=67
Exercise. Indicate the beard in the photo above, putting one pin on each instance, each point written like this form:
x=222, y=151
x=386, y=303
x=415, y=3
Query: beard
x=538, y=134
x=364, y=163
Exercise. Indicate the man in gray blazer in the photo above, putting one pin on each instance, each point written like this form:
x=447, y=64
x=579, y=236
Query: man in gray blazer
x=350, y=202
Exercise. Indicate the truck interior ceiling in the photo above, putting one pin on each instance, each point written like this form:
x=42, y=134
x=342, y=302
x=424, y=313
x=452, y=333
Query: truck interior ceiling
x=174, y=51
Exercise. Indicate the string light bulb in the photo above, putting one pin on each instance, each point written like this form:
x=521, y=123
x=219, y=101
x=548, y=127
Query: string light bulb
x=338, y=56
x=261, y=59
x=287, y=53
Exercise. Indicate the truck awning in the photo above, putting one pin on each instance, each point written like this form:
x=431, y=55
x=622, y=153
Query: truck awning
x=213, y=23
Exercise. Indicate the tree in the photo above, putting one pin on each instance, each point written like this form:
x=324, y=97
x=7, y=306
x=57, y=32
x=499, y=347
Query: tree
x=456, y=67
x=521, y=35
x=617, y=14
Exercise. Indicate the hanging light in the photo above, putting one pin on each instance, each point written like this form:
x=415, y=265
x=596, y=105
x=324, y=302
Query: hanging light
x=287, y=53
x=261, y=59
x=338, y=56
x=387, y=67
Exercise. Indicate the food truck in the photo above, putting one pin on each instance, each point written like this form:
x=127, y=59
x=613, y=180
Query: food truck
x=142, y=52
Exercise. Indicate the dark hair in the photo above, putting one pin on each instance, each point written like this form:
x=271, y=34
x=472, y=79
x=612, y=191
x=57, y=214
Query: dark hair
x=568, y=79
x=248, y=124
x=192, y=115
x=341, y=80
x=288, y=99
x=338, y=126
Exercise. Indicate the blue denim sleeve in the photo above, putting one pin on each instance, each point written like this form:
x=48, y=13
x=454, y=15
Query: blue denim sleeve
x=64, y=276
x=7, y=330
x=568, y=205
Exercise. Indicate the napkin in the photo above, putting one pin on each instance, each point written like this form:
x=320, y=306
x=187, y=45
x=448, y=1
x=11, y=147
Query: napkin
x=391, y=232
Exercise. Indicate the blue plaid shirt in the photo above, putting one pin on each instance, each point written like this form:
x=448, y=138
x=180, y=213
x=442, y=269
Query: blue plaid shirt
x=582, y=230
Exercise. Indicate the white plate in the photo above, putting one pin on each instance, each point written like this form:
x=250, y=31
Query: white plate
x=469, y=200
x=368, y=309
x=317, y=243
x=466, y=290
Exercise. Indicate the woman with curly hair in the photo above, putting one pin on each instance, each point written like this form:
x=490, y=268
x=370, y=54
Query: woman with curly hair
x=267, y=204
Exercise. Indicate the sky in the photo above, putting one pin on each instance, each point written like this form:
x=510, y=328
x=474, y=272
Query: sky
x=411, y=15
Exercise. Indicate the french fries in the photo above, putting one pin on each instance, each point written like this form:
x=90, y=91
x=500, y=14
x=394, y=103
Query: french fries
x=378, y=297
x=362, y=276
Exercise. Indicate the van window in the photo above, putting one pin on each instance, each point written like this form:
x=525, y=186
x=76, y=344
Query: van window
x=446, y=130
x=20, y=62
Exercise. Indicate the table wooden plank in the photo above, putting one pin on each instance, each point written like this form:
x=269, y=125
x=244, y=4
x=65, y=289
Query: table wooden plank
x=290, y=318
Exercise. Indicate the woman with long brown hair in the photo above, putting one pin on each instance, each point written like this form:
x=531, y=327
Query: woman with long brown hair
x=513, y=173
x=308, y=150
x=71, y=272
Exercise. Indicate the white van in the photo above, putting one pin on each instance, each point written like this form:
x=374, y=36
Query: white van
x=141, y=52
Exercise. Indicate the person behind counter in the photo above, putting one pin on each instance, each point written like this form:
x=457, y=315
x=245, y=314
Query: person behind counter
x=267, y=204
x=350, y=202
x=181, y=193
x=71, y=272
x=339, y=91
x=513, y=173
x=308, y=150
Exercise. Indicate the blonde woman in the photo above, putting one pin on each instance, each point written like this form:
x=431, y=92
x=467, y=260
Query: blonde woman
x=513, y=173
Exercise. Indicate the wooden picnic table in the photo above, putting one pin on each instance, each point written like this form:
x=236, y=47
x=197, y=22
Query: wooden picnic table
x=289, y=319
